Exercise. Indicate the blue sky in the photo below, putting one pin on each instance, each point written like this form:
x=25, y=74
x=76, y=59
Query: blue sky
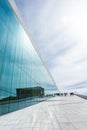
x=59, y=29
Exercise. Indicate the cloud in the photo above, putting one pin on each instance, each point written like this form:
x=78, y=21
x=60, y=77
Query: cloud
x=59, y=29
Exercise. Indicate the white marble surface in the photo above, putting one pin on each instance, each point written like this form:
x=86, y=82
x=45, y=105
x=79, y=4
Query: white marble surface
x=58, y=113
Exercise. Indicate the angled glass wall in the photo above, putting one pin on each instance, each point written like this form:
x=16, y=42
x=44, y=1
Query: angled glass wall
x=23, y=78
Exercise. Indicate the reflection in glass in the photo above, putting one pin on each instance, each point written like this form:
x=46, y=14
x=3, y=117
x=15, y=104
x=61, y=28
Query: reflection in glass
x=24, y=80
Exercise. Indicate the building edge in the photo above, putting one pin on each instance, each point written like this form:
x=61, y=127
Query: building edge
x=17, y=12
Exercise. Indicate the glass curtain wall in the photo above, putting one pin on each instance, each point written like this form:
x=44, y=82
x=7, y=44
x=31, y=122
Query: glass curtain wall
x=23, y=78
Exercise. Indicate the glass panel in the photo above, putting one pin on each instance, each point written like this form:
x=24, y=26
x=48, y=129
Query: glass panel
x=24, y=80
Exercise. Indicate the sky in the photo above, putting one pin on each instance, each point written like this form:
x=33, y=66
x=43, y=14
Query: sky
x=59, y=29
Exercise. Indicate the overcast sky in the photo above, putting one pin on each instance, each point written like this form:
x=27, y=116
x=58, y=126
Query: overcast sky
x=59, y=29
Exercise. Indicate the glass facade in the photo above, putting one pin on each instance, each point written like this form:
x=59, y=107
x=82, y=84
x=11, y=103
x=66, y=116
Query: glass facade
x=23, y=78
